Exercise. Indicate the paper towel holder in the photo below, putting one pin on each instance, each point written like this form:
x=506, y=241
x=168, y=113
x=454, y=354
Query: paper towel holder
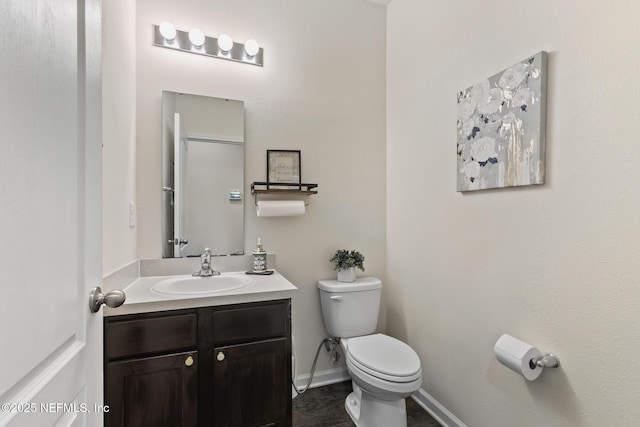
x=255, y=200
x=271, y=188
x=548, y=360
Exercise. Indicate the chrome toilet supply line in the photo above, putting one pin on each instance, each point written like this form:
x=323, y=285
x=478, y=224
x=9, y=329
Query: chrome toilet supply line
x=331, y=345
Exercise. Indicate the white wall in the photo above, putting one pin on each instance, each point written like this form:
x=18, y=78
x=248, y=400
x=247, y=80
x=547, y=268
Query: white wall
x=556, y=265
x=321, y=91
x=118, y=133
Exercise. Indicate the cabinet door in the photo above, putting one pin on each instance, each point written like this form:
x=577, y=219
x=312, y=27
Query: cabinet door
x=251, y=384
x=156, y=391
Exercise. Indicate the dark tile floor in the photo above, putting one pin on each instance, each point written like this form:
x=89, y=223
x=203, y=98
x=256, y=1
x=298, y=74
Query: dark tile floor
x=324, y=407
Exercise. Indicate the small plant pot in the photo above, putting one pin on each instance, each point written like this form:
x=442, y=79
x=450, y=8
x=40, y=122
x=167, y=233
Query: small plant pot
x=348, y=275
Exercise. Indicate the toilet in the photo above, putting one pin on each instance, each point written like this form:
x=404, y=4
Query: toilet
x=384, y=371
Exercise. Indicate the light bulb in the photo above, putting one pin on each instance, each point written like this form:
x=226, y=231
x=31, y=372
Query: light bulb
x=225, y=42
x=197, y=37
x=168, y=31
x=251, y=47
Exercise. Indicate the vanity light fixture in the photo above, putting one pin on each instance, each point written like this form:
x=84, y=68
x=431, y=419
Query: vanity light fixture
x=196, y=36
x=168, y=31
x=251, y=47
x=194, y=41
x=225, y=43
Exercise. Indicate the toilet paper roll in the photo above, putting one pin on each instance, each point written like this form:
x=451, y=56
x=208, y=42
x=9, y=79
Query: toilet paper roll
x=518, y=355
x=280, y=207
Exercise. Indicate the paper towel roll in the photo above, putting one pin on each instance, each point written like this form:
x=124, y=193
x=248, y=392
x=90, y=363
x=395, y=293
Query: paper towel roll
x=517, y=355
x=280, y=207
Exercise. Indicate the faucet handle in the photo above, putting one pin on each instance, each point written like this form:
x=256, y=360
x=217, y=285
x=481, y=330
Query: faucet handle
x=205, y=258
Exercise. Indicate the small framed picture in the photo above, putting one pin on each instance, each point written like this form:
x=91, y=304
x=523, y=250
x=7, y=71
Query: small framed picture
x=283, y=168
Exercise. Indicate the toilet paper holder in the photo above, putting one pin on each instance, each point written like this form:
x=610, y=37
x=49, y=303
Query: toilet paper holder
x=523, y=358
x=548, y=360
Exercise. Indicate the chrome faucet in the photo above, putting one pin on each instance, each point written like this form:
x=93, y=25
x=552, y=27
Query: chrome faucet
x=205, y=268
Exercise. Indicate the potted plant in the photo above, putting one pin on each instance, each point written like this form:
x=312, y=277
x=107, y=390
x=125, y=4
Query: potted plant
x=346, y=262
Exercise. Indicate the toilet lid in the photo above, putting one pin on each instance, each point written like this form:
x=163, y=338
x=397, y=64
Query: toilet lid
x=382, y=354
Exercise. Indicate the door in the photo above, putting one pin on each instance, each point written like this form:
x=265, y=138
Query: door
x=180, y=187
x=251, y=384
x=50, y=170
x=159, y=391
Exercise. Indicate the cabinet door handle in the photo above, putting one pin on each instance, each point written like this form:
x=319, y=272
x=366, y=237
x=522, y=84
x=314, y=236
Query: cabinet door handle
x=220, y=356
x=188, y=361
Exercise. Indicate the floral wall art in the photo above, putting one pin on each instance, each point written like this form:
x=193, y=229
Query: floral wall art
x=501, y=128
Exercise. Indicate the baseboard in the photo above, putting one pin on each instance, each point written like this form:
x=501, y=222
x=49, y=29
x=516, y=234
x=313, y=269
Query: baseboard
x=321, y=378
x=437, y=411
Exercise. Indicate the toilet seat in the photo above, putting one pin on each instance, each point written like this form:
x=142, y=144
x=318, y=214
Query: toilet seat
x=384, y=357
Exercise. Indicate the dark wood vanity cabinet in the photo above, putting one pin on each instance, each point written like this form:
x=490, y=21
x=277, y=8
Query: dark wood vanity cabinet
x=224, y=366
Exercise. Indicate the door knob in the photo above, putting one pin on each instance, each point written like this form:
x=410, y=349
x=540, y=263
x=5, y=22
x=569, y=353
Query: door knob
x=111, y=299
x=220, y=356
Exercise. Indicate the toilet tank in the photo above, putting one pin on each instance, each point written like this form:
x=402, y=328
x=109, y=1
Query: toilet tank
x=350, y=309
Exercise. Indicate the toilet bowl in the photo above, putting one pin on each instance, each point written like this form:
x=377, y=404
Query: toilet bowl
x=384, y=370
x=385, y=366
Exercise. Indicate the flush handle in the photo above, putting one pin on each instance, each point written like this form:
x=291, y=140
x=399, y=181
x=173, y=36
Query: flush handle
x=337, y=298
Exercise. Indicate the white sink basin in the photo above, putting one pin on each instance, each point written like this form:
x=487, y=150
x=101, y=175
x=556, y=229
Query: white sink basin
x=189, y=285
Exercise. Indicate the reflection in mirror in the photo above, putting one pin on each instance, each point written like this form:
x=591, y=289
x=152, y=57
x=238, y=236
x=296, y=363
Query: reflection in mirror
x=202, y=175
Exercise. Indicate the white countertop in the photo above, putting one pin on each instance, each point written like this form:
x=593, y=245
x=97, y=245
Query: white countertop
x=141, y=299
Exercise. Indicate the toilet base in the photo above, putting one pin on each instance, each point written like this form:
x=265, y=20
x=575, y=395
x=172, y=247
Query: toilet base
x=367, y=411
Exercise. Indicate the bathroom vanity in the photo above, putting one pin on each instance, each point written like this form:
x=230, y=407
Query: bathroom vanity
x=213, y=360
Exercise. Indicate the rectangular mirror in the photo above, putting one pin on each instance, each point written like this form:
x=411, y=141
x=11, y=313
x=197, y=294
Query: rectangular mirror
x=202, y=175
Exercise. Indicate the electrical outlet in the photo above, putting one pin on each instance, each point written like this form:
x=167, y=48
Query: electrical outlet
x=133, y=217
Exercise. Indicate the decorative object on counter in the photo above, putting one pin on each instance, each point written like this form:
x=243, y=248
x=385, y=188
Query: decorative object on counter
x=259, y=258
x=346, y=262
x=284, y=169
x=195, y=41
x=501, y=128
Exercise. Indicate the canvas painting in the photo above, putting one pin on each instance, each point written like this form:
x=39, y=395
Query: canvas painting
x=501, y=128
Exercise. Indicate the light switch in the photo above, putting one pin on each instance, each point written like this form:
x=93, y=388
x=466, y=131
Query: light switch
x=133, y=218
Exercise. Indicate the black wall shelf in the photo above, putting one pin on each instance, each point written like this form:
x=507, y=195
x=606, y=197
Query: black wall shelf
x=272, y=188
